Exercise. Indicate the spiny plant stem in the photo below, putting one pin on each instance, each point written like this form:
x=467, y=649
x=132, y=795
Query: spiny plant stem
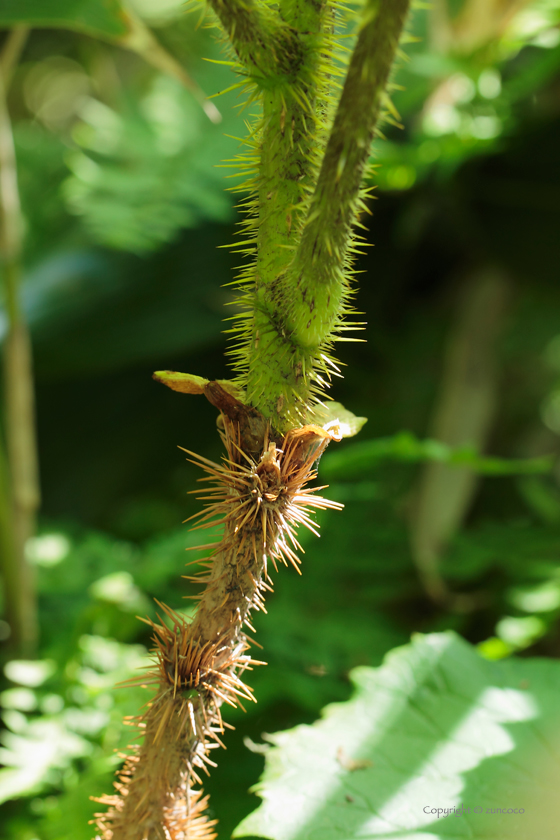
x=304, y=200
x=267, y=48
x=302, y=308
x=315, y=276
x=18, y=381
x=199, y=664
x=176, y=737
x=291, y=140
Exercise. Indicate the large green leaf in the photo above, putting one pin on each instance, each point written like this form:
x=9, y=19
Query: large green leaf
x=104, y=18
x=435, y=727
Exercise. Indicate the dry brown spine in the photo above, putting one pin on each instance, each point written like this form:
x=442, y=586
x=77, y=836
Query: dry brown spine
x=198, y=665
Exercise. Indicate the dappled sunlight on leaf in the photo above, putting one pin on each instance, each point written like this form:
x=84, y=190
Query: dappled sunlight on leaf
x=436, y=727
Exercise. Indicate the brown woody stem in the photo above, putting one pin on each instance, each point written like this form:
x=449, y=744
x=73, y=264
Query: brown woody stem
x=260, y=502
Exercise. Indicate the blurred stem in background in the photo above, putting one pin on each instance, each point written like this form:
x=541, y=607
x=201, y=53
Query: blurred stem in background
x=477, y=23
x=463, y=415
x=19, y=483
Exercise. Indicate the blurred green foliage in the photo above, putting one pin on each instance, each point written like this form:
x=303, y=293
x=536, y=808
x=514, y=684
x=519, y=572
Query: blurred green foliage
x=101, y=19
x=125, y=209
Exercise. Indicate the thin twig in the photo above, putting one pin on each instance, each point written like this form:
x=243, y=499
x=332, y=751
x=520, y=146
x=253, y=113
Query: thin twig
x=18, y=380
x=9, y=57
x=140, y=39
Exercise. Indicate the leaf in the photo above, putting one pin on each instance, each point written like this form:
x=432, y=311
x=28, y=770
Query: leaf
x=142, y=172
x=184, y=383
x=337, y=420
x=103, y=18
x=38, y=749
x=436, y=743
x=189, y=383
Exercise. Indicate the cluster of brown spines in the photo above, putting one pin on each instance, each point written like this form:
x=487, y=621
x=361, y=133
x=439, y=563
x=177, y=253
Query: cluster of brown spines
x=260, y=500
x=183, y=818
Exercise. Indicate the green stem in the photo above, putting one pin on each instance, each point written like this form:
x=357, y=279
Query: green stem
x=267, y=48
x=316, y=274
x=8, y=566
x=291, y=141
x=11, y=52
x=21, y=608
x=300, y=310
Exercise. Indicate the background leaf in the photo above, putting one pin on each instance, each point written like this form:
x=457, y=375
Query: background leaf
x=436, y=727
x=104, y=18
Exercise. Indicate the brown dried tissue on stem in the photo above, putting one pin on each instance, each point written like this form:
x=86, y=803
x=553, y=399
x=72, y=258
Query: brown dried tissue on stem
x=198, y=666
